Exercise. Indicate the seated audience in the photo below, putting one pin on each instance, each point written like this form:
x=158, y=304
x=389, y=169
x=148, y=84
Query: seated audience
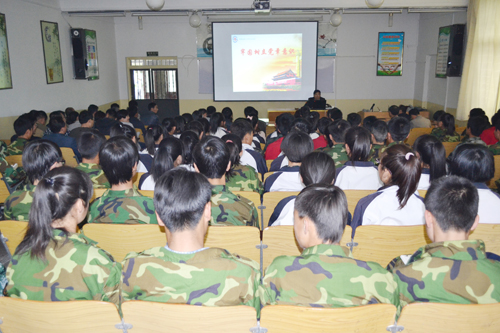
x=394, y=111
x=284, y=123
x=104, y=125
x=189, y=140
x=354, y=119
x=242, y=128
x=169, y=126
x=217, y=123
x=398, y=130
x=134, y=119
x=445, y=130
x=152, y=139
x=252, y=113
x=58, y=135
x=211, y=159
x=13, y=175
x=41, y=120
x=122, y=203
x=319, y=140
x=299, y=125
x=323, y=124
x=368, y=122
x=475, y=127
x=72, y=120
x=89, y=144
x=495, y=148
x=432, y=155
x=87, y=123
x=124, y=117
x=336, y=132
x=150, y=116
x=488, y=135
x=228, y=115
x=417, y=121
x=24, y=128
x=379, y=133
x=334, y=114
x=54, y=262
x=325, y=274
x=435, y=118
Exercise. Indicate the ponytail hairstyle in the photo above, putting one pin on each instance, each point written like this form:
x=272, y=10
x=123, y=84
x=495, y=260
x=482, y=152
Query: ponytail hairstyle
x=358, y=139
x=38, y=157
x=181, y=124
x=235, y=146
x=448, y=123
x=313, y=119
x=168, y=151
x=169, y=125
x=189, y=140
x=54, y=197
x=216, y=121
x=120, y=129
x=154, y=133
x=317, y=168
x=405, y=168
x=431, y=152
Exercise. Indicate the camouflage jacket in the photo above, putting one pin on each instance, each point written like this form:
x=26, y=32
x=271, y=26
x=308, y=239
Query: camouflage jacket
x=73, y=270
x=18, y=204
x=495, y=149
x=245, y=178
x=16, y=147
x=325, y=276
x=375, y=154
x=443, y=137
x=384, y=148
x=231, y=209
x=449, y=272
x=474, y=140
x=11, y=175
x=338, y=153
x=211, y=277
x=124, y=207
x=95, y=173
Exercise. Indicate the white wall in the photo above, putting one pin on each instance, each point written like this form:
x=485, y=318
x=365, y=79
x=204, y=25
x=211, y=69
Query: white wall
x=31, y=90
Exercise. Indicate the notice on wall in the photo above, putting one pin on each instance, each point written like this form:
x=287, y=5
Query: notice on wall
x=93, y=65
x=442, y=51
x=390, y=53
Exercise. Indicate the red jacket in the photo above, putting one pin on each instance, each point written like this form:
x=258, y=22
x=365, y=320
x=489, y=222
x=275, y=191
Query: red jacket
x=488, y=136
x=320, y=142
x=273, y=150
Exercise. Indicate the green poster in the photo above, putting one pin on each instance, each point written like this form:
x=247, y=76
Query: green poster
x=5, y=75
x=93, y=65
x=442, y=51
x=52, y=52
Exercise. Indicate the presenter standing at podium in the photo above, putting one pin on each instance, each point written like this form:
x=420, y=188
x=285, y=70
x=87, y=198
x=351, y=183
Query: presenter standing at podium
x=317, y=102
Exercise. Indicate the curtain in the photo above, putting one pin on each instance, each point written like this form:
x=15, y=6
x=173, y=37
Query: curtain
x=480, y=87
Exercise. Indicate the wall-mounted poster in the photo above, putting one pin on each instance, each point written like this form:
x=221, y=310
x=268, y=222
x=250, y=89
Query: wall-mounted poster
x=327, y=40
x=93, y=65
x=5, y=75
x=390, y=53
x=52, y=52
x=442, y=52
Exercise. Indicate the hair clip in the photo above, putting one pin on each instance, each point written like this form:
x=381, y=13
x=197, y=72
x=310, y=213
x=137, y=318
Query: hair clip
x=408, y=155
x=49, y=181
x=229, y=141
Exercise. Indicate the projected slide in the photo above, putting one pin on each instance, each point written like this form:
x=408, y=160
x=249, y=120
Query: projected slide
x=266, y=62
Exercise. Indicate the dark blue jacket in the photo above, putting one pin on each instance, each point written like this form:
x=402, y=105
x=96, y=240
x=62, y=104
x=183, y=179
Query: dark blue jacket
x=64, y=141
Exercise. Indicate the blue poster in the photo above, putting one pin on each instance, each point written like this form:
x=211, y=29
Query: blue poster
x=390, y=53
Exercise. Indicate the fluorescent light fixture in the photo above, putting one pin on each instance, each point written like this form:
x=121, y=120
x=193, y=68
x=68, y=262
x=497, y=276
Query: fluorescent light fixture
x=260, y=18
x=105, y=13
x=371, y=11
x=305, y=11
x=161, y=13
x=215, y=12
x=437, y=10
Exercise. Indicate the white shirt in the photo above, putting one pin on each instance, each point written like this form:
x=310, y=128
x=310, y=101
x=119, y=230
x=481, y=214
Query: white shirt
x=489, y=205
x=361, y=176
x=148, y=184
x=284, y=210
x=424, y=182
x=220, y=132
x=287, y=179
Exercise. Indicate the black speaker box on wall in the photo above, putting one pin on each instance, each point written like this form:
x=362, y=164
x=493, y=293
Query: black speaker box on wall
x=79, y=53
x=456, y=50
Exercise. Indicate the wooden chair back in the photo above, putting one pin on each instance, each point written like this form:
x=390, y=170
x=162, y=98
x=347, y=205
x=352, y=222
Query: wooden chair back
x=14, y=231
x=268, y=163
x=242, y=240
x=383, y=243
x=15, y=159
x=290, y=318
x=136, y=178
x=280, y=241
x=161, y=317
x=141, y=137
x=490, y=234
x=266, y=175
x=69, y=157
x=252, y=196
x=107, y=137
x=460, y=130
x=422, y=193
x=4, y=191
x=415, y=133
x=262, y=146
x=449, y=147
x=270, y=200
x=7, y=141
x=20, y=315
x=491, y=182
x=353, y=196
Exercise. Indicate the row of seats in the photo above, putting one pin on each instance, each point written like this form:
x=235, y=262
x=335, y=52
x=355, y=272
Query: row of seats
x=139, y=316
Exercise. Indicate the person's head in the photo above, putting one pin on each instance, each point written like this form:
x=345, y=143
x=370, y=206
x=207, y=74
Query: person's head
x=394, y=111
x=284, y=123
x=303, y=112
x=301, y=125
x=242, y=128
x=296, y=145
x=368, y=122
x=437, y=115
x=317, y=94
x=447, y=123
x=451, y=205
x=169, y=126
x=133, y=111
x=206, y=125
x=115, y=106
x=228, y=114
x=476, y=112
x=23, y=126
x=57, y=125
x=211, y=157
x=323, y=124
x=189, y=140
x=251, y=112
x=153, y=107
x=39, y=157
x=203, y=113
x=197, y=127
x=337, y=130
x=401, y=167
x=92, y=109
x=432, y=154
x=68, y=110
x=414, y=113
x=399, y=129
x=211, y=110
x=181, y=124
x=71, y=117
x=153, y=137
x=168, y=156
x=334, y=114
x=313, y=120
x=476, y=125
x=235, y=147
x=89, y=144
x=111, y=114
x=41, y=117
x=86, y=119
x=99, y=115
x=497, y=130
x=379, y=132
x=123, y=116
x=182, y=201
x=120, y=129
x=188, y=117
x=320, y=215
x=358, y=144
x=195, y=116
x=354, y=119
x=61, y=201
x=216, y=120
x=58, y=114
x=317, y=168
x=474, y=162
x=118, y=158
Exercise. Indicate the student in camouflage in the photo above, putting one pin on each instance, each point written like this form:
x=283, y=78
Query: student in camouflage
x=24, y=128
x=336, y=132
x=452, y=269
x=445, y=130
x=39, y=157
x=89, y=144
x=398, y=130
x=12, y=175
x=211, y=159
x=379, y=132
x=122, y=203
x=184, y=271
x=54, y=262
x=324, y=275
x=240, y=177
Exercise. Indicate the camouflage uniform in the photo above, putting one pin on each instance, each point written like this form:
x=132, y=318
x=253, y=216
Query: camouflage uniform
x=95, y=173
x=18, y=204
x=12, y=176
x=495, y=149
x=475, y=140
x=210, y=277
x=325, y=276
x=123, y=207
x=77, y=270
x=231, y=209
x=245, y=178
x=375, y=154
x=338, y=153
x=16, y=147
x=384, y=148
x=449, y=272
x=443, y=137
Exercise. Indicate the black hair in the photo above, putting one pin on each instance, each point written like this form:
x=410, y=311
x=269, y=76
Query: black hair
x=132, y=111
x=431, y=152
x=195, y=126
x=495, y=118
x=115, y=106
x=399, y=128
x=323, y=124
x=22, y=124
x=168, y=125
x=216, y=121
x=414, y=112
x=188, y=117
x=235, y=147
x=151, y=105
x=202, y=111
x=71, y=117
x=93, y=109
x=41, y=115
x=379, y=130
x=284, y=123
x=354, y=119
x=405, y=116
x=56, y=124
x=111, y=113
x=313, y=120
x=118, y=157
x=58, y=113
x=334, y=114
x=211, y=156
x=326, y=207
x=394, y=110
x=476, y=112
x=84, y=117
x=68, y=110
x=189, y=140
x=241, y=127
x=472, y=161
x=180, y=199
x=153, y=134
x=437, y=115
x=296, y=145
x=358, y=139
x=206, y=125
x=454, y=203
x=120, y=129
x=497, y=125
x=54, y=197
x=228, y=113
x=301, y=125
x=99, y=115
x=211, y=110
x=195, y=116
x=181, y=124
x=250, y=111
x=38, y=157
x=337, y=130
x=132, y=103
x=303, y=112
x=316, y=91
x=448, y=123
x=89, y=143
x=477, y=125
x=122, y=114
x=369, y=121
x=168, y=151
x=317, y=168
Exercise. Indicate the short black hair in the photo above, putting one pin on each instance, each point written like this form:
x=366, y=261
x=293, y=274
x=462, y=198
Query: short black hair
x=300, y=124
x=394, y=110
x=211, y=156
x=189, y=140
x=196, y=127
x=168, y=125
x=89, y=143
x=313, y=120
x=115, y=106
x=56, y=124
x=369, y=121
x=181, y=124
x=133, y=103
x=120, y=129
x=38, y=158
x=202, y=111
x=151, y=105
x=284, y=123
x=99, y=115
x=250, y=111
x=354, y=119
x=316, y=91
x=476, y=112
x=296, y=145
x=216, y=121
x=84, y=117
x=211, y=110
x=323, y=124
x=228, y=113
x=241, y=127
x=334, y=114
x=117, y=157
x=454, y=203
x=317, y=168
x=41, y=115
x=448, y=121
x=180, y=199
x=358, y=139
x=414, y=112
x=23, y=124
x=399, y=128
x=477, y=125
x=437, y=115
x=93, y=109
x=132, y=111
x=326, y=207
x=122, y=114
x=337, y=130
x=71, y=117
x=472, y=161
x=379, y=130
x=206, y=125
x=112, y=113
